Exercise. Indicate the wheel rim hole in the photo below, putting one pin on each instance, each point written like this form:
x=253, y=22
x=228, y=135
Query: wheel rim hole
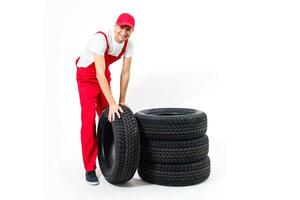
x=108, y=147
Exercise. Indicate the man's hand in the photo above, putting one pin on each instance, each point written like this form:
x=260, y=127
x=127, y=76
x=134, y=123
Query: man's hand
x=114, y=109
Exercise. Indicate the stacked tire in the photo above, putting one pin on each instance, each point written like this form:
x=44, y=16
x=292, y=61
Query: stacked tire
x=174, y=146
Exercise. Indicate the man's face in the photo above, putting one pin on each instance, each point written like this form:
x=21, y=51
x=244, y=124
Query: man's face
x=122, y=33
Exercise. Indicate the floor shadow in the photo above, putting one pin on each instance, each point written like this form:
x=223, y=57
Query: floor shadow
x=135, y=182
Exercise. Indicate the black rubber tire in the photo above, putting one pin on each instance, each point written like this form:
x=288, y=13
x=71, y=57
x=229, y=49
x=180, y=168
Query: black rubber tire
x=185, y=151
x=171, y=123
x=119, y=146
x=174, y=174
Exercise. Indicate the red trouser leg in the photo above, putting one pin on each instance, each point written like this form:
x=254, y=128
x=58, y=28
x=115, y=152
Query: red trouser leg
x=88, y=100
x=92, y=100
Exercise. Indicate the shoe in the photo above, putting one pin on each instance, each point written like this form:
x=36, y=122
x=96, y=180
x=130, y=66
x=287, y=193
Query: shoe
x=91, y=178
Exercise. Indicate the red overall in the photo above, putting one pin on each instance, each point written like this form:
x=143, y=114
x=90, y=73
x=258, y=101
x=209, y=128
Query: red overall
x=92, y=100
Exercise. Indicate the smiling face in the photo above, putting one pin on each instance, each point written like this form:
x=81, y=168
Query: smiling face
x=122, y=33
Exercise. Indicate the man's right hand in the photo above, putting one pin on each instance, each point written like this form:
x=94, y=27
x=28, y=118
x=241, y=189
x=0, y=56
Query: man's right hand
x=114, y=109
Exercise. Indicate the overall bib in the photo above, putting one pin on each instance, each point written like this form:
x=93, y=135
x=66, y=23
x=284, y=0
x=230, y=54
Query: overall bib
x=92, y=100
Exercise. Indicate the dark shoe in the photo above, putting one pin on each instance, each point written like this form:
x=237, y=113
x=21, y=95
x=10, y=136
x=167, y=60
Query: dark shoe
x=91, y=178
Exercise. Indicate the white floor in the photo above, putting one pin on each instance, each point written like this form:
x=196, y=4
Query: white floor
x=237, y=172
x=71, y=185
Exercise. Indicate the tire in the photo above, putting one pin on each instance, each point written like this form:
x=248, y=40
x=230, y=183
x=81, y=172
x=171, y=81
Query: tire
x=161, y=151
x=171, y=123
x=119, y=146
x=174, y=174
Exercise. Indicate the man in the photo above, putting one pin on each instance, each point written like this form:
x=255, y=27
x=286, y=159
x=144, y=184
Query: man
x=93, y=79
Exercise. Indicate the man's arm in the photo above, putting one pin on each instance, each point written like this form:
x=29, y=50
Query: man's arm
x=100, y=74
x=125, y=75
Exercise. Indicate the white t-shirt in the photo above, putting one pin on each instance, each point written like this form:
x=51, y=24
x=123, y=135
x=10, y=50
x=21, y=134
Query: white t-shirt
x=97, y=44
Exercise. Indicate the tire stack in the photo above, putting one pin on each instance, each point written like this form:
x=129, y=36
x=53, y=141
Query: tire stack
x=174, y=146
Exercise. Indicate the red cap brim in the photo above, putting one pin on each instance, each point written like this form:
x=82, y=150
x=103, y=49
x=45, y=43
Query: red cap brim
x=124, y=23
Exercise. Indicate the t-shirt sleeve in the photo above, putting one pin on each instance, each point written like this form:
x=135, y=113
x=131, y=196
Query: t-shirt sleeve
x=129, y=49
x=97, y=44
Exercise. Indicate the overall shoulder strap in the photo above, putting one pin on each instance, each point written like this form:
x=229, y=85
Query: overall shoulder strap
x=105, y=39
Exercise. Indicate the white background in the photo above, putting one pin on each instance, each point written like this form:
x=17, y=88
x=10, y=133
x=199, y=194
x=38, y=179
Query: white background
x=237, y=61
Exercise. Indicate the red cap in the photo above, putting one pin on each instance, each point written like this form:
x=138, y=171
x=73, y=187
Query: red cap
x=126, y=19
